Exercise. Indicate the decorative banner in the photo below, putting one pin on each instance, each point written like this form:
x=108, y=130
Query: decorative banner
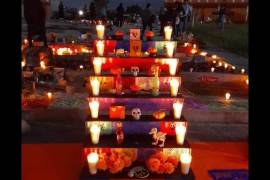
x=135, y=48
x=135, y=34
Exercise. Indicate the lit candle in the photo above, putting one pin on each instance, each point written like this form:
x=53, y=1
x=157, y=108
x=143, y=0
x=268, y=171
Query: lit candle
x=49, y=94
x=94, y=108
x=180, y=131
x=168, y=32
x=23, y=63
x=95, y=133
x=100, y=48
x=42, y=65
x=186, y=44
x=214, y=62
x=233, y=67
x=225, y=65
x=190, y=69
x=95, y=86
x=177, y=109
x=227, y=96
x=247, y=81
x=97, y=62
x=92, y=159
x=220, y=64
x=212, y=69
x=194, y=46
x=172, y=66
x=174, y=83
x=203, y=53
x=170, y=49
x=185, y=160
x=214, y=56
x=243, y=71
x=81, y=67
x=193, y=51
x=25, y=41
x=100, y=31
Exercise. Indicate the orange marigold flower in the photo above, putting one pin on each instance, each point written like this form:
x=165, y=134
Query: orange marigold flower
x=173, y=160
x=153, y=164
x=168, y=168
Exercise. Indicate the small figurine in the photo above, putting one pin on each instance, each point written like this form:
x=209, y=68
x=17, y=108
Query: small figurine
x=135, y=70
x=158, y=136
x=136, y=113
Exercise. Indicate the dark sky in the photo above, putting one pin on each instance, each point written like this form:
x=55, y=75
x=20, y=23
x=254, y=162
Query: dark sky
x=156, y=4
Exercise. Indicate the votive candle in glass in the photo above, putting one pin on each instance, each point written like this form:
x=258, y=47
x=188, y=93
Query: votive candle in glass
x=174, y=83
x=185, y=159
x=94, y=108
x=180, y=131
x=97, y=63
x=100, y=47
x=168, y=32
x=95, y=84
x=172, y=66
x=92, y=160
x=170, y=49
x=100, y=31
x=95, y=133
x=42, y=65
x=177, y=109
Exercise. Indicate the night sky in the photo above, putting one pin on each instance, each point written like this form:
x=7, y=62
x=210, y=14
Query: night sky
x=156, y=4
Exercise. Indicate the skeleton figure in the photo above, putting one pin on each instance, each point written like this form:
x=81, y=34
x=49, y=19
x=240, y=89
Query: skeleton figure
x=158, y=136
x=136, y=113
x=135, y=70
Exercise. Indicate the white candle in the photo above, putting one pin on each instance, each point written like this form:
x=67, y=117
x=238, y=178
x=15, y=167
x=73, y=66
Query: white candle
x=81, y=67
x=227, y=96
x=100, y=48
x=23, y=64
x=95, y=133
x=225, y=65
x=193, y=51
x=214, y=62
x=168, y=32
x=49, y=94
x=95, y=86
x=212, y=69
x=233, y=67
x=191, y=70
x=177, y=109
x=247, y=81
x=242, y=71
x=92, y=159
x=180, y=131
x=203, y=53
x=97, y=62
x=186, y=44
x=214, y=56
x=172, y=66
x=220, y=64
x=100, y=31
x=42, y=65
x=94, y=108
x=170, y=49
x=185, y=160
x=174, y=83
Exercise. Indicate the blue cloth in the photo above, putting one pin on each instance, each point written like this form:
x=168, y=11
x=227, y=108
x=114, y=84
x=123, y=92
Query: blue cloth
x=229, y=174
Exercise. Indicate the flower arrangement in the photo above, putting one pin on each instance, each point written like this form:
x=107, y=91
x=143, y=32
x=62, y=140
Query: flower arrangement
x=160, y=163
x=116, y=160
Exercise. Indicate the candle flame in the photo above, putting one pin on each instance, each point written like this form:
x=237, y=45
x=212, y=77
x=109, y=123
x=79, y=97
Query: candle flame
x=227, y=96
x=42, y=65
x=214, y=56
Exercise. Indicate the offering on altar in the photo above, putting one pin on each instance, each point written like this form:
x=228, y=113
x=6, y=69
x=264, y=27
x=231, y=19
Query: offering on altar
x=158, y=137
x=95, y=133
x=117, y=159
x=100, y=47
x=180, y=131
x=97, y=63
x=119, y=35
x=95, y=85
x=149, y=35
x=160, y=114
x=185, y=159
x=135, y=70
x=177, y=109
x=119, y=133
x=174, y=83
x=117, y=111
x=136, y=113
x=134, y=88
x=169, y=49
x=152, y=51
x=161, y=163
x=94, y=108
x=92, y=159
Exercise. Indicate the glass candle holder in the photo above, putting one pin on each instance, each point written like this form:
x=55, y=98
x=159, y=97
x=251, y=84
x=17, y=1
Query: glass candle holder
x=95, y=133
x=170, y=49
x=100, y=48
x=172, y=66
x=94, y=108
x=92, y=160
x=168, y=32
x=177, y=109
x=97, y=63
x=185, y=159
x=100, y=31
x=180, y=131
x=174, y=83
x=95, y=85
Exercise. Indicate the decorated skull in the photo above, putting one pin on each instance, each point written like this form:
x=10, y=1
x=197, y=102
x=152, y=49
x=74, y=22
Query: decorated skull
x=136, y=113
x=135, y=70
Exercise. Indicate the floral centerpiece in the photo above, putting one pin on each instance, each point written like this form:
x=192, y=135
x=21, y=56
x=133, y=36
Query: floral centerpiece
x=160, y=163
x=116, y=160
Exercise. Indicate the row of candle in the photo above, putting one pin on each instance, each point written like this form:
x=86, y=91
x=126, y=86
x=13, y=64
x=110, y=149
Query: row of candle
x=185, y=161
x=174, y=86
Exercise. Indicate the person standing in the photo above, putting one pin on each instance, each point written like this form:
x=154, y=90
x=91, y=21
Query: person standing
x=92, y=11
x=188, y=11
x=35, y=16
x=146, y=18
x=180, y=19
x=120, y=15
x=221, y=16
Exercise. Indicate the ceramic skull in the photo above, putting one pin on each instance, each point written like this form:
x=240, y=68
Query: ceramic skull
x=135, y=70
x=136, y=113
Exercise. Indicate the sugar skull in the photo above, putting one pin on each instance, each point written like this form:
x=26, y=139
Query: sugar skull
x=135, y=70
x=136, y=113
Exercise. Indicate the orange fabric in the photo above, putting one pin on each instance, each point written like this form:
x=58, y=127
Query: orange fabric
x=64, y=161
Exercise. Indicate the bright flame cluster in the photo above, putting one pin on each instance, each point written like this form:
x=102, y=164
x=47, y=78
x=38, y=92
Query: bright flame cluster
x=63, y=51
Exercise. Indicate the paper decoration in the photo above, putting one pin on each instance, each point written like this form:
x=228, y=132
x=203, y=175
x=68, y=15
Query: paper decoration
x=135, y=48
x=135, y=34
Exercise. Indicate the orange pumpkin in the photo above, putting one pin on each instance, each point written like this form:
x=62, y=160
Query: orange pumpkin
x=159, y=114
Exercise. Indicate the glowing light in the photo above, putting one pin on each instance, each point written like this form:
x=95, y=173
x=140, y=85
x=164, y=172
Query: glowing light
x=42, y=65
x=203, y=53
x=212, y=69
x=242, y=70
x=214, y=56
x=168, y=32
x=227, y=96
